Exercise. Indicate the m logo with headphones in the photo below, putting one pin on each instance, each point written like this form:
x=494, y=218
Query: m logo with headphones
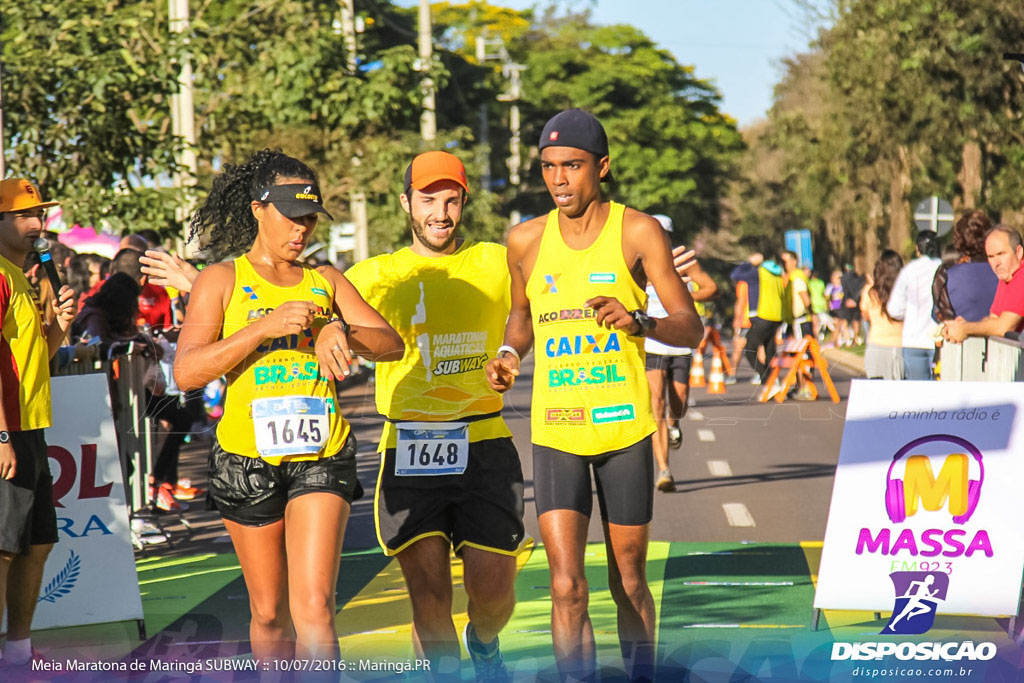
x=919, y=484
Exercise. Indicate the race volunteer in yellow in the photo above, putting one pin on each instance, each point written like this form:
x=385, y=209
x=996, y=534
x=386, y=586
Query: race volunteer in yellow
x=450, y=475
x=28, y=520
x=283, y=469
x=578, y=278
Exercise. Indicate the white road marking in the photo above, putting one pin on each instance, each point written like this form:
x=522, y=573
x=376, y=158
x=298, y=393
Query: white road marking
x=719, y=468
x=705, y=435
x=695, y=415
x=738, y=514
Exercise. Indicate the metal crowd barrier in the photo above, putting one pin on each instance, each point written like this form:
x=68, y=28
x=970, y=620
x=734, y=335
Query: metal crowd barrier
x=983, y=359
x=136, y=433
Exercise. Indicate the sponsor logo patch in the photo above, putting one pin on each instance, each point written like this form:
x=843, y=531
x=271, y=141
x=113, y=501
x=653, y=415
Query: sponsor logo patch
x=603, y=278
x=571, y=416
x=622, y=413
x=455, y=366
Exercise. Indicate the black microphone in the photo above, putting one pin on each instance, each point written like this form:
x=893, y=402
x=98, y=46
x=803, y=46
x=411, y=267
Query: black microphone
x=43, y=249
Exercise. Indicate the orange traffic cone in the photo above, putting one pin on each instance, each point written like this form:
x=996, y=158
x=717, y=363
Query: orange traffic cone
x=697, y=370
x=716, y=380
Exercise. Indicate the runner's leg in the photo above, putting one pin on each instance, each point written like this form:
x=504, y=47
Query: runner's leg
x=261, y=553
x=564, y=533
x=490, y=584
x=627, y=581
x=659, y=440
x=426, y=566
x=316, y=522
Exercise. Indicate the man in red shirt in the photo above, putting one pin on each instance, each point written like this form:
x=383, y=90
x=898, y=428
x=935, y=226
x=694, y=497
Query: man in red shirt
x=1005, y=254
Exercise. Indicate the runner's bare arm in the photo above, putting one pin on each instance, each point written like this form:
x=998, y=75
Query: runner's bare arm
x=502, y=371
x=202, y=355
x=645, y=237
x=369, y=335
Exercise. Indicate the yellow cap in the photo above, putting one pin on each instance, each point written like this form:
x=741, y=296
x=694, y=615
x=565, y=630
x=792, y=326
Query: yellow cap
x=18, y=194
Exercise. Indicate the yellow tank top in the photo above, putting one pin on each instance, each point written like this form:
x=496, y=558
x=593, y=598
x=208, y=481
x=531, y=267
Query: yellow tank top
x=590, y=392
x=284, y=368
x=451, y=312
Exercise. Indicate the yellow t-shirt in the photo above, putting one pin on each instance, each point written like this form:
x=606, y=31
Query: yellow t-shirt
x=590, y=392
x=284, y=368
x=450, y=311
x=24, y=354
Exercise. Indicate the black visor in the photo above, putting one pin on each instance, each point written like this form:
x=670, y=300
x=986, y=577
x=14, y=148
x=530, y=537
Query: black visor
x=295, y=200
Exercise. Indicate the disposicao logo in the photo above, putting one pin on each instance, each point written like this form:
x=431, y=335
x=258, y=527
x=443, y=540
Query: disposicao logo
x=918, y=595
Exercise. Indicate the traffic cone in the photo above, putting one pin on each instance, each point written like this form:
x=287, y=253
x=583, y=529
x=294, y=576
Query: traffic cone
x=697, y=370
x=716, y=380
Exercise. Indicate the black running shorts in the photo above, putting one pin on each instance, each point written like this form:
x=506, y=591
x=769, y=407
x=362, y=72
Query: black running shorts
x=27, y=514
x=676, y=367
x=625, y=494
x=481, y=508
x=252, y=492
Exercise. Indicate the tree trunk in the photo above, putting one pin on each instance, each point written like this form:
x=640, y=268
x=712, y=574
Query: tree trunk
x=899, y=206
x=970, y=176
x=875, y=216
x=1014, y=219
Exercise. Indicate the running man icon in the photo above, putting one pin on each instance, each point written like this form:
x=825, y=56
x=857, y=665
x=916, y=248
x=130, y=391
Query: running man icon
x=918, y=595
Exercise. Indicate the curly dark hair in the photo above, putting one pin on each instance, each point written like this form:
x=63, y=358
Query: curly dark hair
x=226, y=213
x=969, y=234
x=886, y=269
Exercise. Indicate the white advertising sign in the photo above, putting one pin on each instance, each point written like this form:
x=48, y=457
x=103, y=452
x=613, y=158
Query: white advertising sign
x=926, y=505
x=90, y=575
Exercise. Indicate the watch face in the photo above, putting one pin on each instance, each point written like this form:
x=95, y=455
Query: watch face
x=5, y=437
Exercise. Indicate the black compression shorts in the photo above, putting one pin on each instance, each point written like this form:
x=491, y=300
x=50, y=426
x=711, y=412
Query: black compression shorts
x=624, y=479
x=676, y=367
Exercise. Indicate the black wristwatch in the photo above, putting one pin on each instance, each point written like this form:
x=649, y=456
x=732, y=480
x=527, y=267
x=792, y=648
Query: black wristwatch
x=5, y=437
x=645, y=322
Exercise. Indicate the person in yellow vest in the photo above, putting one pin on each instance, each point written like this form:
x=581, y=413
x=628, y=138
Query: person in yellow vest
x=283, y=468
x=450, y=476
x=28, y=520
x=798, y=299
x=578, y=279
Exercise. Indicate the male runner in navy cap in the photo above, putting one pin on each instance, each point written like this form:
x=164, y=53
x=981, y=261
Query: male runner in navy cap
x=578, y=278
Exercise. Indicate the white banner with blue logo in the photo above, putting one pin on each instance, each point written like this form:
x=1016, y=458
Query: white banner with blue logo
x=90, y=576
x=926, y=505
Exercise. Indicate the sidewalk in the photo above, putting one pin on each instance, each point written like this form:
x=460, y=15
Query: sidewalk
x=850, y=362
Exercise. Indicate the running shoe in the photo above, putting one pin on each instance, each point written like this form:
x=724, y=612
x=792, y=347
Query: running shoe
x=756, y=380
x=675, y=436
x=730, y=380
x=489, y=666
x=665, y=482
x=184, y=490
x=163, y=498
x=805, y=395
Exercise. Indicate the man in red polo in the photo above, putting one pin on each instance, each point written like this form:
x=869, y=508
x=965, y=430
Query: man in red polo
x=1005, y=254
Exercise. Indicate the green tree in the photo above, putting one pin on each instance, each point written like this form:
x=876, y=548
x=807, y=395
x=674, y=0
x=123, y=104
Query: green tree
x=86, y=107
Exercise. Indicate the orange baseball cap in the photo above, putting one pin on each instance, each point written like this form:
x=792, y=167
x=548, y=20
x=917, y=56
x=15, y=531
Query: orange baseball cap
x=18, y=194
x=430, y=167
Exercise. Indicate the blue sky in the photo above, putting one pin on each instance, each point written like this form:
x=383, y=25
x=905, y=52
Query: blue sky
x=737, y=44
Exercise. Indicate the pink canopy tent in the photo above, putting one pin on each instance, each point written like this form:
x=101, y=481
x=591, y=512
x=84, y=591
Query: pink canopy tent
x=85, y=240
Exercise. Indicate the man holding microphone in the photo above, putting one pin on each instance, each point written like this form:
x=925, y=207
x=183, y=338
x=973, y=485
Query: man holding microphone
x=28, y=521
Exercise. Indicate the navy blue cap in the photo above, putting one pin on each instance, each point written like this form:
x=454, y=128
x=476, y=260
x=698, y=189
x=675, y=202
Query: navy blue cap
x=576, y=128
x=295, y=199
